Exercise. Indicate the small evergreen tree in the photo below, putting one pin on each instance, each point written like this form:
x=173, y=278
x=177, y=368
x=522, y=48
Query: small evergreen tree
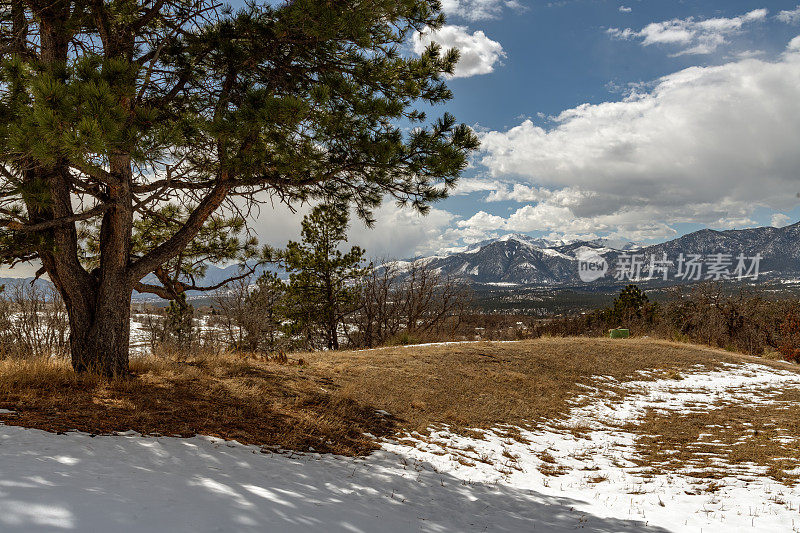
x=179, y=323
x=266, y=303
x=631, y=303
x=322, y=279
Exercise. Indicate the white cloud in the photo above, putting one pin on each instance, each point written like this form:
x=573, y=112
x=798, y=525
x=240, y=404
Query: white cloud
x=705, y=145
x=623, y=9
x=479, y=54
x=478, y=9
x=519, y=192
x=471, y=185
x=691, y=35
x=402, y=232
x=560, y=221
x=745, y=54
x=780, y=220
x=483, y=221
x=789, y=16
x=398, y=232
x=794, y=45
x=22, y=270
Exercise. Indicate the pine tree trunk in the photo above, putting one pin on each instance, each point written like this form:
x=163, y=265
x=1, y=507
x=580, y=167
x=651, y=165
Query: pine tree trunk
x=99, y=339
x=333, y=337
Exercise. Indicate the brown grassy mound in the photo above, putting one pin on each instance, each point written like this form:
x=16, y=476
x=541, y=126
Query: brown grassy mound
x=481, y=384
x=331, y=400
x=227, y=397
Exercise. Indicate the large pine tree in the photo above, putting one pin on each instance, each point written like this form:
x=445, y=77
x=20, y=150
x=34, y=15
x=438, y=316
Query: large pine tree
x=136, y=136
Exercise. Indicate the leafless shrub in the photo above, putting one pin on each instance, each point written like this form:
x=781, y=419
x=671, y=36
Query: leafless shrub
x=496, y=327
x=407, y=303
x=153, y=324
x=250, y=315
x=745, y=320
x=173, y=327
x=789, y=346
x=33, y=322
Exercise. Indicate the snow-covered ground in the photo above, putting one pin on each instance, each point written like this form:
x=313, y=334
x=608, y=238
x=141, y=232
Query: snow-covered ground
x=439, y=482
x=140, y=336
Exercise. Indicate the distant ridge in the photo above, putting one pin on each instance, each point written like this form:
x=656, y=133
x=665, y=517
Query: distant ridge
x=524, y=260
x=518, y=259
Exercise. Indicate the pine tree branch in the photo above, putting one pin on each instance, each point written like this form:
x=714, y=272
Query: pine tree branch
x=194, y=287
x=178, y=288
x=153, y=289
x=16, y=225
x=149, y=15
x=171, y=247
x=94, y=171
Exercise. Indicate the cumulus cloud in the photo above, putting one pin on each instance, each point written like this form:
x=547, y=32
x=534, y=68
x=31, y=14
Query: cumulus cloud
x=471, y=185
x=789, y=16
x=705, y=145
x=402, y=232
x=623, y=9
x=780, y=220
x=519, y=192
x=479, y=54
x=483, y=221
x=397, y=233
x=478, y=9
x=690, y=35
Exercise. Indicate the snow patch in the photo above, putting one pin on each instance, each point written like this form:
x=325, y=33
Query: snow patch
x=439, y=482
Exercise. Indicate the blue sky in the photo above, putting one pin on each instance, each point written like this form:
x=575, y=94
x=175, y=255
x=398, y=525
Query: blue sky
x=633, y=120
x=559, y=54
x=636, y=120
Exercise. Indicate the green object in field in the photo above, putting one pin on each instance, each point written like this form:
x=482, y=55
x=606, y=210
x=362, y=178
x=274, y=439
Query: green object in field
x=619, y=333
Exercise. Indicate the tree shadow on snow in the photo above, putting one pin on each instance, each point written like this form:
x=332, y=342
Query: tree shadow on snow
x=130, y=483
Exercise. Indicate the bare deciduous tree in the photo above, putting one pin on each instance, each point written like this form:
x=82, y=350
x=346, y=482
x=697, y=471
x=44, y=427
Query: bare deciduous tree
x=408, y=298
x=33, y=321
x=251, y=314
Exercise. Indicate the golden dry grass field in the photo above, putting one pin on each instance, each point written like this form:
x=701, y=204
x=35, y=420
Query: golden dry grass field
x=330, y=401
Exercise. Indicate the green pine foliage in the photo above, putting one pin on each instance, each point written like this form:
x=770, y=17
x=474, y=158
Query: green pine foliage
x=631, y=303
x=322, y=288
x=141, y=137
x=179, y=330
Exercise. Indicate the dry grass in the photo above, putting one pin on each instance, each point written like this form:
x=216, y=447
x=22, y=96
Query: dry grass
x=250, y=401
x=484, y=384
x=330, y=400
x=730, y=440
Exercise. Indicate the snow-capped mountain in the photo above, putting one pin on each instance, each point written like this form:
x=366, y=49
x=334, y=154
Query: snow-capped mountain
x=521, y=259
x=521, y=237
x=515, y=259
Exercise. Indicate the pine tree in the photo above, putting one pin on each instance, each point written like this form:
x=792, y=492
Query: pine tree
x=179, y=323
x=631, y=303
x=322, y=279
x=137, y=135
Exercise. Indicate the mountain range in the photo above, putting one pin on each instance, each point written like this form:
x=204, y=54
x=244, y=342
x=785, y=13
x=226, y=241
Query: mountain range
x=518, y=259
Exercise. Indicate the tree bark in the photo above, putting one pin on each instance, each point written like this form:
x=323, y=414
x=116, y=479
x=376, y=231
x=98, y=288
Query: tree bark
x=99, y=339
